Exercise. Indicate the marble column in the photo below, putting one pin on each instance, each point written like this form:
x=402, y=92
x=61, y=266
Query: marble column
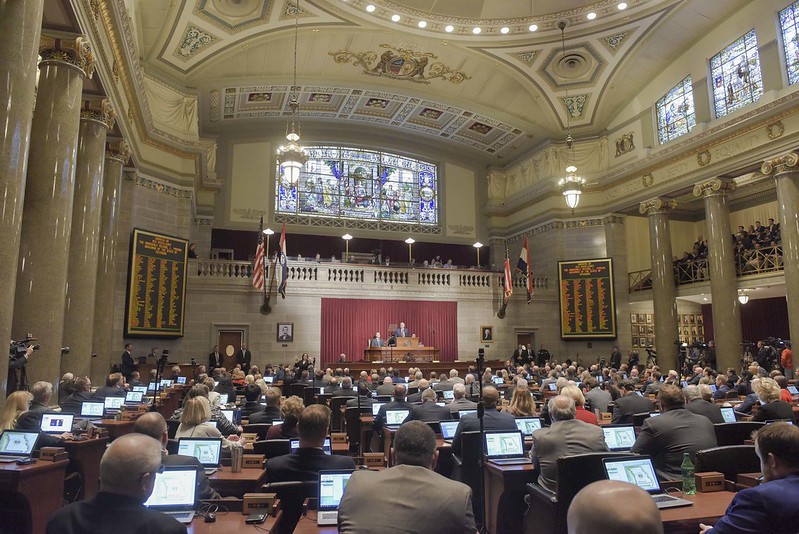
x=96, y=118
x=116, y=156
x=47, y=217
x=20, y=30
x=664, y=292
x=785, y=169
x=723, y=277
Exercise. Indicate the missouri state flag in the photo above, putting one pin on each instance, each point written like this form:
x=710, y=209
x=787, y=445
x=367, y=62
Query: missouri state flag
x=524, y=267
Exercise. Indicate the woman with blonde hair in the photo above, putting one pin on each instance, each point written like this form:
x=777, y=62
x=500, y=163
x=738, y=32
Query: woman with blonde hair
x=195, y=422
x=290, y=410
x=521, y=403
x=768, y=391
x=15, y=404
x=574, y=393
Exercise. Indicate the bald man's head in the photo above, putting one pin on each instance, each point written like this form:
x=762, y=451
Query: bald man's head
x=589, y=511
x=129, y=466
x=490, y=397
x=152, y=424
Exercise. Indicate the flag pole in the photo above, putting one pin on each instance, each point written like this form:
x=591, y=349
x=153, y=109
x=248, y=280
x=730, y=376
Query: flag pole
x=506, y=280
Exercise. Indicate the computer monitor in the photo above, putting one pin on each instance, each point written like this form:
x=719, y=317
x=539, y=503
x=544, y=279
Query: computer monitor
x=269, y=379
x=552, y=386
x=728, y=414
x=636, y=470
x=228, y=414
x=448, y=394
x=134, y=397
x=207, y=450
x=153, y=386
x=331, y=488
x=448, y=429
x=294, y=444
x=174, y=489
x=461, y=413
x=504, y=444
x=56, y=423
x=166, y=383
x=498, y=380
x=142, y=389
x=113, y=403
x=376, y=407
x=181, y=380
x=396, y=417
x=619, y=437
x=92, y=409
x=223, y=398
x=793, y=390
x=528, y=425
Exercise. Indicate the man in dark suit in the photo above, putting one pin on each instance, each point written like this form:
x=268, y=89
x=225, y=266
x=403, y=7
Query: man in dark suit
x=83, y=393
x=422, y=385
x=376, y=341
x=674, y=432
x=773, y=506
x=127, y=478
x=244, y=357
x=566, y=436
x=492, y=419
x=113, y=387
x=153, y=424
x=345, y=390
x=272, y=410
x=306, y=463
x=629, y=403
x=365, y=397
x=397, y=404
x=696, y=402
x=429, y=410
x=251, y=406
x=214, y=359
x=521, y=356
x=402, y=331
x=128, y=365
x=410, y=496
x=31, y=420
x=615, y=358
x=387, y=387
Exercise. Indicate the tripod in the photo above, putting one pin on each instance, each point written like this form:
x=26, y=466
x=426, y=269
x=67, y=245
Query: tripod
x=481, y=461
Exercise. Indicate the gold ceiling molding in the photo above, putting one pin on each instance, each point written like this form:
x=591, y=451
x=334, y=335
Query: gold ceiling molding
x=399, y=63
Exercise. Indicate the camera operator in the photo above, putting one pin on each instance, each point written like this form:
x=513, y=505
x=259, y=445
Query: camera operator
x=710, y=354
x=19, y=355
x=765, y=353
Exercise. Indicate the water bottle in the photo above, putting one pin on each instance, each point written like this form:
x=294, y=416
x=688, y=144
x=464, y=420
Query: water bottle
x=688, y=479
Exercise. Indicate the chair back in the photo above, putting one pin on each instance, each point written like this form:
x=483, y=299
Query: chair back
x=296, y=389
x=639, y=418
x=324, y=398
x=730, y=460
x=172, y=427
x=384, y=398
x=336, y=418
x=272, y=448
x=292, y=495
x=258, y=428
x=735, y=433
x=435, y=426
x=577, y=471
x=172, y=446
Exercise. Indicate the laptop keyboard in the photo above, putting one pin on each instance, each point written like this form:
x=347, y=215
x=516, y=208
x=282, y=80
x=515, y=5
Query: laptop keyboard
x=181, y=517
x=664, y=498
x=512, y=461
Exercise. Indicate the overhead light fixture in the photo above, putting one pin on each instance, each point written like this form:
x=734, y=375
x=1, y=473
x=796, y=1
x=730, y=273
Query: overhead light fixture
x=395, y=18
x=478, y=245
x=370, y=8
x=347, y=238
x=591, y=16
x=504, y=30
x=743, y=296
x=410, y=241
x=572, y=185
x=422, y=24
x=622, y=6
x=533, y=27
x=476, y=30
x=291, y=157
x=449, y=28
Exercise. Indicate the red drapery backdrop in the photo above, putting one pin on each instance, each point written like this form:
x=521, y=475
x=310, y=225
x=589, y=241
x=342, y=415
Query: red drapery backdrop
x=348, y=324
x=760, y=319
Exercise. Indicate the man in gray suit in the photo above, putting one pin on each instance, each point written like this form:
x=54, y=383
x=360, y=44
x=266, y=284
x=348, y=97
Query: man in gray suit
x=697, y=400
x=417, y=397
x=597, y=397
x=630, y=403
x=566, y=436
x=674, y=432
x=429, y=410
x=492, y=419
x=460, y=402
x=410, y=495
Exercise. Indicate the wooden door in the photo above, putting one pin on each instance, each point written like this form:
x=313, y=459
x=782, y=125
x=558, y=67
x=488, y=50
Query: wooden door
x=229, y=343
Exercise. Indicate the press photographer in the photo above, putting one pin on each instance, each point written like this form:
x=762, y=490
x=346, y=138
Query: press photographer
x=19, y=354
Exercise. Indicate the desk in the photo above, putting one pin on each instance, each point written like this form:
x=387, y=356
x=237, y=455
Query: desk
x=307, y=525
x=230, y=484
x=230, y=522
x=505, y=488
x=30, y=494
x=708, y=509
x=116, y=428
x=401, y=354
x=84, y=457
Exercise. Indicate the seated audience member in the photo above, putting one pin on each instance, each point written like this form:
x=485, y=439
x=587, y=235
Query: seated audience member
x=629, y=403
x=773, y=506
x=238, y=379
x=409, y=497
x=364, y=397
x=332, y=385
x=290, y=410
x=173, y=376
x=588, y=512
x=397, y=404
x=492, y=419
x=574, y=393
x=225, y=387
x=675, y=431
x=784, y=393
x=346, y=389
x=566, y=436
x=153, y=424
x=252, y=396
x=135, y=379
x=114, y=387
x=459, y=401
x=429, y=410
x=750, y=400
x=654, y=385
x=213, y=396
x=195, y=422
x=15, y=405
x=697, y=400
x=722, y=387
x=521, y=402
x=387, y=387
x=417, y=397
x=596, y=397
x=82, y=393
x=272, y=410
x=42, y=393
x=773, y=407
x=307, y=461
x=127, y=477
x=66, y=387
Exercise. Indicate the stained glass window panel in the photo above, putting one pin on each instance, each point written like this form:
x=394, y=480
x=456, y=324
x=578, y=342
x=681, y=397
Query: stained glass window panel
x=362, y=184
x=675, y=112
x=736, y=76
x=790, y=40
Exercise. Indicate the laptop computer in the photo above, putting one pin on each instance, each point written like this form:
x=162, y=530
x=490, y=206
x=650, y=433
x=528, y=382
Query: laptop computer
x=223, y=398
x=174, y=492
x=619, y=438
x=498, y=380
x=93, y=411
x=181, y=380
x=294, y=444
x=113, y=403
x=376, y=407
x=133, y=397
x=394, y=418
x=528, y=425
x=640, y=471
x=448, y=429
x=153, y=386
x=449, y=394
x=331, y=489
x=552, y=386
x=207, y=450
x=793, y=390
x=461, y=413
x=56, y=423
x=166, y=383
x=17, y=445
x=228, y=414
x=505, y=447
x=143, y=389
x=728, y=413
x=269, y=380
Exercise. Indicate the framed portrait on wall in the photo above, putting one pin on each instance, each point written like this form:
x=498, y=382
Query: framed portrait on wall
x=648, y=318
x=642, y=341
x=635, y=342
x=487, y=334
x=285, y=332
x=633, y=318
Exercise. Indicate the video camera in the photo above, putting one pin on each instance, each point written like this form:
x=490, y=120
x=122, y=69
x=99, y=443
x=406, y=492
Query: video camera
x=20, y=347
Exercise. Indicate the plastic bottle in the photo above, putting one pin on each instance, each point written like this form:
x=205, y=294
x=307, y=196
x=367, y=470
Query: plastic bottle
x=688, y=478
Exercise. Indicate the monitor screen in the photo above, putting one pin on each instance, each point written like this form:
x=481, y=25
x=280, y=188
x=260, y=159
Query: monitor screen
x=396, y=417
x=181, y=380
x=113, y=403
x=504, y=444
x=294, y=444
x=331, y=488
x=638, y=471
x=713, y=387
x=552, y=386
x=142, y=389
x=728, y=414
x=498, y=380
x=133, y=396
x=18, y=442
x=228, y=414
x=528, y=425
x=207, y=450
x=92, y=409
x=174, y=488
x=269, y=379
x=376, y=407
x=619, y=438
x=166, y=383
x=793, y=390
x=223, y=398
x=56, y=423
x=374, y=394
x=461, y=413
x=441, y=403
x=448, y=429
x=449, y=394
x=153, y=386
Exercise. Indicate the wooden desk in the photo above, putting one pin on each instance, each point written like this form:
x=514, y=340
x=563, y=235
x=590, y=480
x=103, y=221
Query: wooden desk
x=230, y=484
x=84, y=457
x=505, y=490
x=307, y=525
x=708, y=509
x=230, y=522
x=29, y=495
x=401, y=354
x=116, y=428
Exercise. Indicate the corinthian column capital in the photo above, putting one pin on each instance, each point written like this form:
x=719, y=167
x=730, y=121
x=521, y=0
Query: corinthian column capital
x=76, y=52
x=118, y=150
x=99, y=110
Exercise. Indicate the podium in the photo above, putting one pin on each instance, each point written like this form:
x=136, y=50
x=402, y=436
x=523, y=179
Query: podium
x=397, y=354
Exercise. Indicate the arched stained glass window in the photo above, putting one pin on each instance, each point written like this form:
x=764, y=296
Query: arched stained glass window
x=736, y=76
x=789, y=24
x=350, y=183
x=675, y=112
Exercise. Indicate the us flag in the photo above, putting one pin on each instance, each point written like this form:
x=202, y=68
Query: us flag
x=258, y=268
